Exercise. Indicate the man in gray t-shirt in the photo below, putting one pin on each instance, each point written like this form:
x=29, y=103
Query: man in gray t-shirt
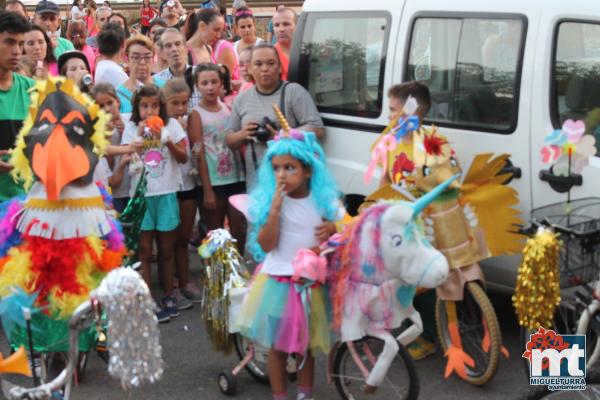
x=251, y=106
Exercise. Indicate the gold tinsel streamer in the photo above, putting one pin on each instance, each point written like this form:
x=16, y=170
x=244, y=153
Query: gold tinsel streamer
x=224, y=271
x=537, y=292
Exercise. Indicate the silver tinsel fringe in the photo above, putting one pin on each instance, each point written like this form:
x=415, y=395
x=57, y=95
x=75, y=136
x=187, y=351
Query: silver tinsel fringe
x=133, y=334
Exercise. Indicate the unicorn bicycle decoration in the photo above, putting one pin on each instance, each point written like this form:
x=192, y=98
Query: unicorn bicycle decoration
x=380, y=266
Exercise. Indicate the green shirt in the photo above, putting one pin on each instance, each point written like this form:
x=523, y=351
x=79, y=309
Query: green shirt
x=63, y=45
x=14, y=104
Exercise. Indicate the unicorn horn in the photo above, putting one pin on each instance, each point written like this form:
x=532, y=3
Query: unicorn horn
x=422, y=202
x=285, y=127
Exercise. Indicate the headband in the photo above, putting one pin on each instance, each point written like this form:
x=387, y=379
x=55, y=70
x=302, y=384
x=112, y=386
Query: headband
x=244, y=13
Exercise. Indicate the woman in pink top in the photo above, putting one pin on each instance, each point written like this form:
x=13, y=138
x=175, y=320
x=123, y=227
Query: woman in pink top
x=76, y=33
x=38, y=55
x=205, y=28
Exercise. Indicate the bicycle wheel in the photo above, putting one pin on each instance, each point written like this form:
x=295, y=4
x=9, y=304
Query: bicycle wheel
x=471, y=312
x=589, y=325
x=257, y=367
x=401, y=381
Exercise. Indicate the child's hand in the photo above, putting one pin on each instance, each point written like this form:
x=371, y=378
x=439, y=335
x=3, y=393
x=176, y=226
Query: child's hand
x=278, y=198
x=210, y=200
x=183, y=122
x=142, y=128
x=125, y=158
x=137, y=146
x=325, y=230
x=118, y=124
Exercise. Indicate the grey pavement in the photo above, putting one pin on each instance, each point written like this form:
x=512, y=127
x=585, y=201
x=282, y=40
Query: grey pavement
x=191, y=368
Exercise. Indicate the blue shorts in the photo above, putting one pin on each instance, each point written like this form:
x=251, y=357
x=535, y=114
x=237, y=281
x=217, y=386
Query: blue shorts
x=162, y=213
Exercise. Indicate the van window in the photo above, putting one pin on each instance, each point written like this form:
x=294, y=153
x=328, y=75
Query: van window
x=577, y=75
x=472, y=68
x=343, y=61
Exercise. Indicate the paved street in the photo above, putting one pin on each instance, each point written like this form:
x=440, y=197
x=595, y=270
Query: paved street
x=191, y=368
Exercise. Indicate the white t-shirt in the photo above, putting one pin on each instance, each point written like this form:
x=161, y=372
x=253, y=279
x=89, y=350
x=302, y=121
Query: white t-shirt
x=297, y=222
x=123, y=190
x=108, y=71
x=163, y=175
x=102, y=172
x=76, y=14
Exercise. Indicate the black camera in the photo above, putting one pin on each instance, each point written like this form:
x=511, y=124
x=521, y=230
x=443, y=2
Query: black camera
x=262, y=134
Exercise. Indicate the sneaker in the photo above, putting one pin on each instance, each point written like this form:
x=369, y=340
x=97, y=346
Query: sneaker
x=182, y=302
x=420, y=349
x=192, y=293
x=170, y=306
x=163, y=316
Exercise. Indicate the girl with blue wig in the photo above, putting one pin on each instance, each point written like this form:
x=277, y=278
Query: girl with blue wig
x=293, y=207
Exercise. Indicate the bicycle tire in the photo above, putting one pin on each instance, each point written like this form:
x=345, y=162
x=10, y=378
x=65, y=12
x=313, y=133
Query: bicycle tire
x=589, y=327
x=474, y=296
x=342, y=380
x=253, y=367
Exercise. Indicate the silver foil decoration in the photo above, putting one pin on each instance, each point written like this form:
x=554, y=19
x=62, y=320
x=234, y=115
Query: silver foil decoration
x=224, y=273
x=133, y=334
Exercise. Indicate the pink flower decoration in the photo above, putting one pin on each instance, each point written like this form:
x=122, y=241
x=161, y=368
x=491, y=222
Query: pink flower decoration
x=573, y=129
x=550, y=154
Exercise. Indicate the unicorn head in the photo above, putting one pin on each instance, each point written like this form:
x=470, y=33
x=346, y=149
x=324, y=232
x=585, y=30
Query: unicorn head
x=390, y=245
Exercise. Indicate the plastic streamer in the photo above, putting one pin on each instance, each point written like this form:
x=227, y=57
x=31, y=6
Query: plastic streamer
x=131, y=220
x=133, y=335
x=537, y=292
x=224, y=272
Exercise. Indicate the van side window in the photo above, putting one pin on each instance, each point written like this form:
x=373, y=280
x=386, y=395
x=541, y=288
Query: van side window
x=576, y=77
x=343, y=61
x=472, y=68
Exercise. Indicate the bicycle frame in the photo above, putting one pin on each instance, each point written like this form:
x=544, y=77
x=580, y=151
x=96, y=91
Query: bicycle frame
x=586, y=319
x=65, y=378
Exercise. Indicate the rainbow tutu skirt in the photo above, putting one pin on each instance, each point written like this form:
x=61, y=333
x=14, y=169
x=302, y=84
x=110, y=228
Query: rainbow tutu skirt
x=286, y=316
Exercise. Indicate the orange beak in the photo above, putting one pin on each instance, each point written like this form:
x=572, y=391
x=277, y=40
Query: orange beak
x=57, y=163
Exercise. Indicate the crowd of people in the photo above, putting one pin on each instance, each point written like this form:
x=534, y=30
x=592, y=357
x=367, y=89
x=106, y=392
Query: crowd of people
x=213, y=83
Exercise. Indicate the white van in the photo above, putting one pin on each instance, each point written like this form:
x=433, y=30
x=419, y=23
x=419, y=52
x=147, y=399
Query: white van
x=502, y=75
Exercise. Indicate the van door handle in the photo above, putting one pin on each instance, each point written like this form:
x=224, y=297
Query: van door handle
x=515, y=172
x=560, y=184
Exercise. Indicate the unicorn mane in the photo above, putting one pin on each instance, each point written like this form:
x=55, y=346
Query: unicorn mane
x=351, y=258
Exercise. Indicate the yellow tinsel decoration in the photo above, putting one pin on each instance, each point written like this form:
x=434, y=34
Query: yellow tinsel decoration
x=537, y=292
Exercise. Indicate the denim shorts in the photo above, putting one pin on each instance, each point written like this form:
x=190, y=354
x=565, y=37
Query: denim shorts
x=162, y=213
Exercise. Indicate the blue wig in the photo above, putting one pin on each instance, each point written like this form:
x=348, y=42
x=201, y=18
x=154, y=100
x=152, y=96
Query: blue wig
x=322, y=186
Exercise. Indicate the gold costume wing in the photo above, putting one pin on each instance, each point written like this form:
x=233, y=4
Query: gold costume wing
x=493, y=203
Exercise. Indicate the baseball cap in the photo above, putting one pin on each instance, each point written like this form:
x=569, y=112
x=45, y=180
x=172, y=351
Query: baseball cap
x=47, y=7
